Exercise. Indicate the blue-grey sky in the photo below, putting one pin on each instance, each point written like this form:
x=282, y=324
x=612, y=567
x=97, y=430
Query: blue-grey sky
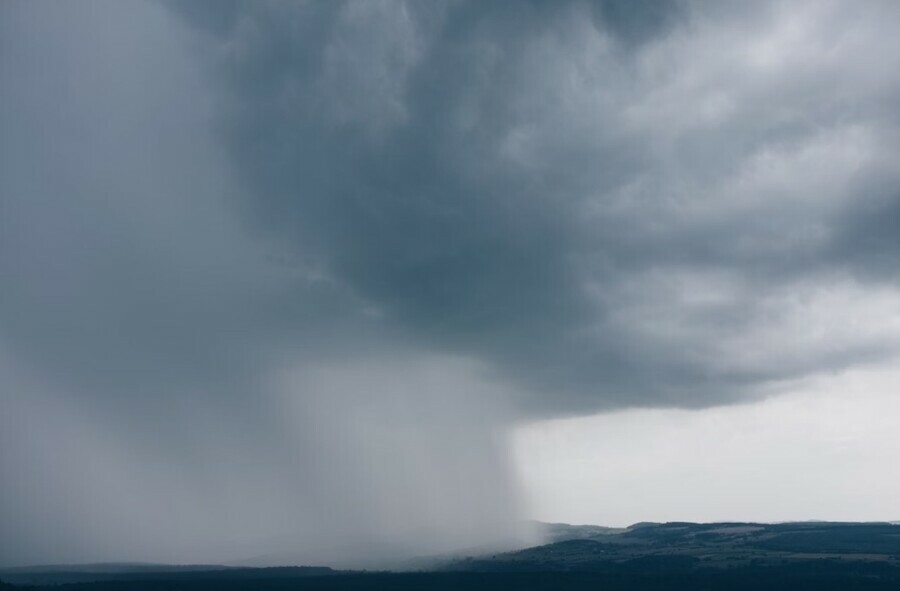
x=279, y=279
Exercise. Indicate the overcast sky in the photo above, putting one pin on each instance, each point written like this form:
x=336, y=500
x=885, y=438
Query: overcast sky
x=325, y=281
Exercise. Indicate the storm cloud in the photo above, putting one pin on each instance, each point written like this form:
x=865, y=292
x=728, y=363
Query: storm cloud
x=612, y=203
x=280, y=275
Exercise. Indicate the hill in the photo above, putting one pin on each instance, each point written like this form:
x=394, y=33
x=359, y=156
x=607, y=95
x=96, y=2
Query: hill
x=675, y=556
x=680, y=546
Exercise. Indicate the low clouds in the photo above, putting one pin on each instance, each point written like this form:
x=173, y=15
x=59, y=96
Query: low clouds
x=614, y=204
x=300, y=265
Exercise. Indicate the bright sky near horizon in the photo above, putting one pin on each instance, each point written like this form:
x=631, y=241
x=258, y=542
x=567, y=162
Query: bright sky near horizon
x=825, y=449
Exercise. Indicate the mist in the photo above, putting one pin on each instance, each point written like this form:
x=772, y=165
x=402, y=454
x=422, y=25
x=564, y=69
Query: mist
x=280, y=279
x=176, y=389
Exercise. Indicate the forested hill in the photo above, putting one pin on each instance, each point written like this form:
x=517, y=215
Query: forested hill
x=688, y=546
x=647, y=556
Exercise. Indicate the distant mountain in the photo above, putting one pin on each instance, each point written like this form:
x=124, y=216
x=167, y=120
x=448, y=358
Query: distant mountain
x=677, y=555
x=560, y=532
x=679, y=546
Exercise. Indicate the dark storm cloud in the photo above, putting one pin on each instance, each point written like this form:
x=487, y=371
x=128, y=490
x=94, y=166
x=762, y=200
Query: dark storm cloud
x=635, y=22
x=540, y=184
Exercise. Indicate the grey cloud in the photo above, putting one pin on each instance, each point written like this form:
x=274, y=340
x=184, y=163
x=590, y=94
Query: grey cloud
x=114, y=244
x=501, y=179
x=636, y=22
x=145, y=335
